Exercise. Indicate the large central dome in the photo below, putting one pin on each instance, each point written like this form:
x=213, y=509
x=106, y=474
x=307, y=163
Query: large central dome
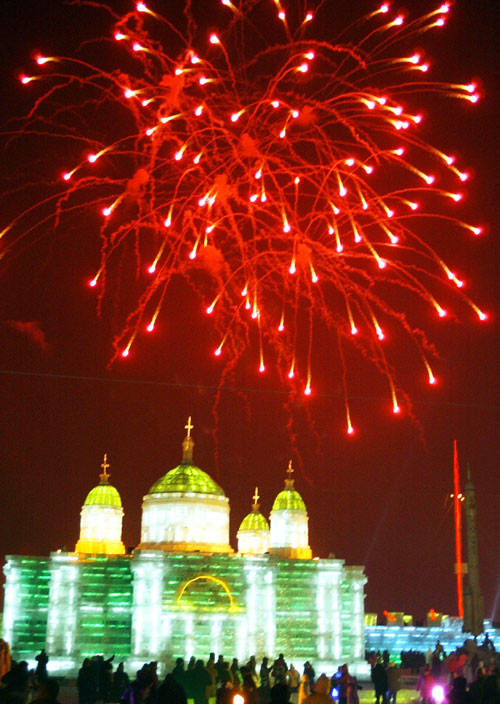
x=185, y=510
x=186, y=478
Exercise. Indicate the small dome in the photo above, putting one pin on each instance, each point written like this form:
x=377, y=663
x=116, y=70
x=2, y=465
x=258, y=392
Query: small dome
x=103, y=495
x=254, y=521
x=289, y=499
x=253, y=534
x=186, y=478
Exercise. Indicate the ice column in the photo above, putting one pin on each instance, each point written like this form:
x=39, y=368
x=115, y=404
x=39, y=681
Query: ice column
x=149, y=569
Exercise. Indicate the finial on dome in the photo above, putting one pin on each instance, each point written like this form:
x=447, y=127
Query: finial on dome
x=256, y=497
x=188, y=444
x=289, y=482
x=104, y=475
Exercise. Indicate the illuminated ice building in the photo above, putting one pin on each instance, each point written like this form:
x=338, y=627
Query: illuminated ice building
x=184, y=590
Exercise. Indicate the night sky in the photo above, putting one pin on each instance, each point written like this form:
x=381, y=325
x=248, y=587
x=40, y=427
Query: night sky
x=379, y=499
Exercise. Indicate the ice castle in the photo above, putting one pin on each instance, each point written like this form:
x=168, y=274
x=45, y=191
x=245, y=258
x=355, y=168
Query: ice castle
x=184, y=590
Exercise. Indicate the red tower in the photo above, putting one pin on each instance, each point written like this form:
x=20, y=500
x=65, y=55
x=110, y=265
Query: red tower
x=457, y=496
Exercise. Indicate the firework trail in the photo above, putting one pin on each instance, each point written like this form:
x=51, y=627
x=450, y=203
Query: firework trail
x=279, y=172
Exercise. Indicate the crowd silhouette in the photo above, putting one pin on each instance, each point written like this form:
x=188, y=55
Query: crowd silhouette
x=468, y=675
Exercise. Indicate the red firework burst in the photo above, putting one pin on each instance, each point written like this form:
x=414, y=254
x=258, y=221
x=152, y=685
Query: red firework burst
x=280, y=172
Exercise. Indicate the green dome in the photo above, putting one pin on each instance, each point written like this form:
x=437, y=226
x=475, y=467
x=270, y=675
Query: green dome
x=289, y=499
x=103, y=495
x=186, y=478
x=254, y=521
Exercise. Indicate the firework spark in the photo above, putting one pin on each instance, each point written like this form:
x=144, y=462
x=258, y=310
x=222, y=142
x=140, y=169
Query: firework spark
x=258, y=161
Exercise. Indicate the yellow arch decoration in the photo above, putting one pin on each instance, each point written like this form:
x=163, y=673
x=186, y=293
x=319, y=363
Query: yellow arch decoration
x=209, y=577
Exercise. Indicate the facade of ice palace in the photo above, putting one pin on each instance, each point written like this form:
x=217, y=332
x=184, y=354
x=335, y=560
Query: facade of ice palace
x=184, y=590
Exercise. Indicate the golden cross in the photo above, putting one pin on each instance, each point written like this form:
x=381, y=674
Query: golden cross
x=289, y=471
x=104, y=476
x=256, y=496
x=189, y=427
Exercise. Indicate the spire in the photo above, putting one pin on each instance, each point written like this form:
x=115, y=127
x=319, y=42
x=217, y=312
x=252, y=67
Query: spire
x=256, y=497
x=104, y=474
x=289, y=482
x=473, y=597
x=188, y=444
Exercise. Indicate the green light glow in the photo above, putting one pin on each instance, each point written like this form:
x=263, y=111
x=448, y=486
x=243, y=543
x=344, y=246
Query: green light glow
x=184, y=603
x=254, y=521
x=289, y=499
x=186, y=478
x=27, y=618
x=103, y=495
x=105, y=585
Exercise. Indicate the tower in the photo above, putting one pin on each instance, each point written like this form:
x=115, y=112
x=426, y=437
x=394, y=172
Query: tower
x=289, y=523
x=473, y=598
x=101, y=519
